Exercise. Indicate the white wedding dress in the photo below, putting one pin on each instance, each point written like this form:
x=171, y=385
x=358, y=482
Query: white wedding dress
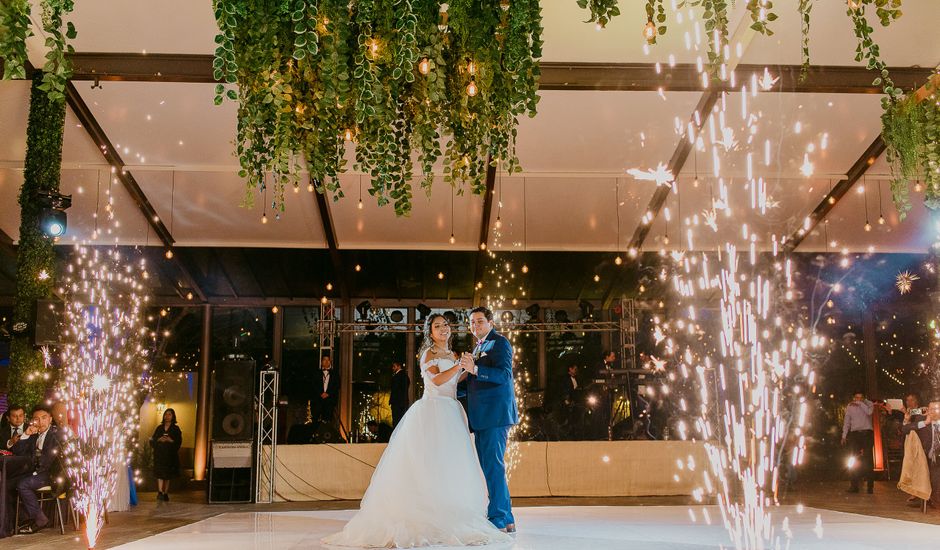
x=428, y=488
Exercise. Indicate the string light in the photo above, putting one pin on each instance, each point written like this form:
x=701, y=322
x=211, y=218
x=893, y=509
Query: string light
x=649, y=31
x=472, y=89
x=424, y=67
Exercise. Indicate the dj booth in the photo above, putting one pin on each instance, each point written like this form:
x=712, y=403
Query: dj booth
x=542, y=469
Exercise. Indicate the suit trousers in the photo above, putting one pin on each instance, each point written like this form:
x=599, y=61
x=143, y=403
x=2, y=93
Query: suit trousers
x=26, y=487
x=491, y=448
x=861, y=443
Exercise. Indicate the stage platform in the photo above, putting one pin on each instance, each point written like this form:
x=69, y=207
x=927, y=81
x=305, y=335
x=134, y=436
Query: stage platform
x=562, y=528
x=543, y=469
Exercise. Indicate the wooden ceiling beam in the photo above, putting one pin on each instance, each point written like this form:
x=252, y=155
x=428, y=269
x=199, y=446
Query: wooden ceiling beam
x=702, y=111
x=113, y=158
x=329, y=232
x=641, y=77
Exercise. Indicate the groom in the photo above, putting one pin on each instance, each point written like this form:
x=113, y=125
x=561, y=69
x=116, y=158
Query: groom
x=492, y=411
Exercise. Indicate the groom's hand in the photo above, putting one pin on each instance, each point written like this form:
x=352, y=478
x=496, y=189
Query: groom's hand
x=466, y=362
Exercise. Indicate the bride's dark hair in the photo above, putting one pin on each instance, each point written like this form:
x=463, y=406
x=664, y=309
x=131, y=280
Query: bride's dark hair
x=428, y=342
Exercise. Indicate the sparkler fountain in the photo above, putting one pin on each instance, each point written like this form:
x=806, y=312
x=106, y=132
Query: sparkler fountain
x=103, y=360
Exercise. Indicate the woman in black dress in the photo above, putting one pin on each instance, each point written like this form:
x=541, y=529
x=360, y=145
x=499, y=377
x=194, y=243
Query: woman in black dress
x=166, y=442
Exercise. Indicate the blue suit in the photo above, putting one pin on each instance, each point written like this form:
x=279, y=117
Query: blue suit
x=491, y=403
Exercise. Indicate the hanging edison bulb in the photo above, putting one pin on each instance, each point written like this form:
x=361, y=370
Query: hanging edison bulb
x=310, y=187
x=649, y=31
x=440, y=275
x=472, y=89
x=618, y=260
x=264, y=218
x=867, y=226
x=169, y=254
x=525, y=268
x=881, y=220
x=597, y=278
x=499, y=223
x=359, y=206
x=424, y=67
x=452, y=238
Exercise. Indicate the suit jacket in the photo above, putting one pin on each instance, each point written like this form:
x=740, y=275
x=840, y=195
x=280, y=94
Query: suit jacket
x=6, y=431
x=332, y=387
x=491, y=393
x=399, y=390
x=48, y=461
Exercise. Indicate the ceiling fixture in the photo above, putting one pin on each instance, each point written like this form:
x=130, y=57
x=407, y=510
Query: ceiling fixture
x=52, y=219
x=881, y=216
x=865, y=197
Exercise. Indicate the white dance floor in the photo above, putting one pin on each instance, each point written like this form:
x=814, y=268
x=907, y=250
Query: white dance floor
x=555, y=528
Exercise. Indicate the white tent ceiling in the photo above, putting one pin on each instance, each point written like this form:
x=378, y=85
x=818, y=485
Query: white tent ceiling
x=574, y=153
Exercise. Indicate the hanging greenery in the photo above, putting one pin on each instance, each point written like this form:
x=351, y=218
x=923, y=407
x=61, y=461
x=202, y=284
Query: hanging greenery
x=388, y=77
x=15, y=29
x=911, y=131
x=35, y=259
x=804, y=9
x=602, y=11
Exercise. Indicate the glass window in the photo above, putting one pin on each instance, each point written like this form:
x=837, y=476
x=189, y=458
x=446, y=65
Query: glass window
x=300, y=359
x=380, y=339
x=175, y=338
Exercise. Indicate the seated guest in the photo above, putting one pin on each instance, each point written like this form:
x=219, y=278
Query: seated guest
x=929, y=432
x=12, y=426
x=911, y=415
x=41, y=442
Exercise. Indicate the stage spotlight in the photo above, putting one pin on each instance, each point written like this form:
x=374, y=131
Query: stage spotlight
x=587, y=309
x=561, y=316
x=507, y=316
x=52, y=218
x=533, y=311
x=396, y=316
x=363, y=309
x=423, y=311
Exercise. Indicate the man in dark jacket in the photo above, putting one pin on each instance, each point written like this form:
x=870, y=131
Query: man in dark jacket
x=398, y=399
x=325, y=393
x=12, y=426
x=40, y=441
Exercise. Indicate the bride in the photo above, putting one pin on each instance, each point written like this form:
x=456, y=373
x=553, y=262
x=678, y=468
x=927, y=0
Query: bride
x=428, y=488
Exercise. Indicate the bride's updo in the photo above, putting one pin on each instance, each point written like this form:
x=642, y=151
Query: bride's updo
x=428, y=342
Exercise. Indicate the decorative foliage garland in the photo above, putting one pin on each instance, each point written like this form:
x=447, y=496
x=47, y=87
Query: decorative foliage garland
x=911, y=131
x=15, y=29
x=392, y=77
x=35, y=258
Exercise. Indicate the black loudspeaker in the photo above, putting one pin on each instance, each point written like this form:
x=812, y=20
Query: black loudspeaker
x=46, y=325
x=233, y=389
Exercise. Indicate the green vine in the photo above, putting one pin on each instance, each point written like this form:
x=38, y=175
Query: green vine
x=602, y=11
x=867, y=49
x=716, y=21
x=35, y=269
x=804, y=9
x=655, y=20
x=761, y=14
x=391, y=78
x=15, y=29
x=911, y=131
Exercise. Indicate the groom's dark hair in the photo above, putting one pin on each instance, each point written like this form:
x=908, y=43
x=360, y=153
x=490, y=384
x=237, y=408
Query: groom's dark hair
x=485, y=311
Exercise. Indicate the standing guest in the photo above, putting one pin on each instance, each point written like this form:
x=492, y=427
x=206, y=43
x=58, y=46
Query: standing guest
x=607, y=363
x=12, y=426
x=326, y=393
x=929, y=432
x=41, y=442
x=166, y=441
x=912, y=416
x=398, y=399
x=857, y=433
